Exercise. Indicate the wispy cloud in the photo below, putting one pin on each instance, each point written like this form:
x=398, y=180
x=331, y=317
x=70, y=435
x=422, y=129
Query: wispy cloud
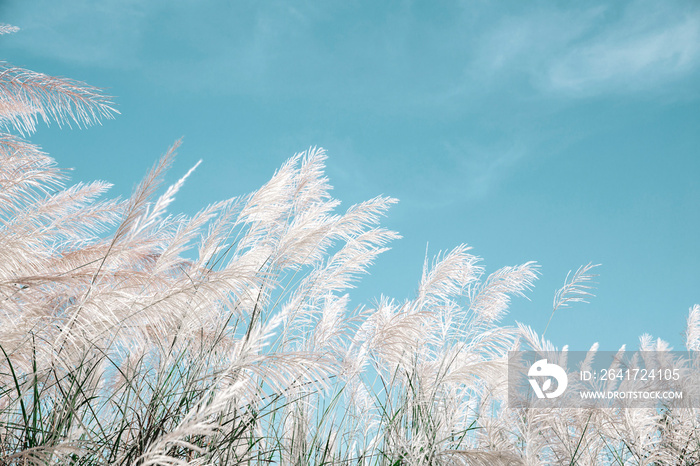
x=593, y=49
x=476, y=171
x=466, y=171
x=631, y=55
x=573, y=49
x=106, y=34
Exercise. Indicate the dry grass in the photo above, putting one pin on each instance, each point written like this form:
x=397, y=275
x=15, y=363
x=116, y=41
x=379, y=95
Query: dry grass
x=133, y=336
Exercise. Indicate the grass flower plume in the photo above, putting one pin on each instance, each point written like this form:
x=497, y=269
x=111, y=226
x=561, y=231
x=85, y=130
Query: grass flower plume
x=133, y=336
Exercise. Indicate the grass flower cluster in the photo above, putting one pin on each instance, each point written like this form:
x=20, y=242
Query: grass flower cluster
x=132, y=336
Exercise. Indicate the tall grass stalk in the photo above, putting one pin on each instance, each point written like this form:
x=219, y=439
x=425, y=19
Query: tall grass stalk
x=131, y=336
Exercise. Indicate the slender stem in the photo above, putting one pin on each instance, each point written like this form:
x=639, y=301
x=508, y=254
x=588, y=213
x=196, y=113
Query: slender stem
x=548, y=322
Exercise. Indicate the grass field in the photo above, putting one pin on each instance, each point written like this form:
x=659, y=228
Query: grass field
x=131, y=335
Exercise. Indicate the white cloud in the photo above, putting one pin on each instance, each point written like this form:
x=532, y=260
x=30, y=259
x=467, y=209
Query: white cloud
x=586, y=50
x=106, y=34
x=397, y=59
x=629, y=58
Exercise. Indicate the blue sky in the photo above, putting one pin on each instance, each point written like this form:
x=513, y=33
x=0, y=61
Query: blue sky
x=561, y=132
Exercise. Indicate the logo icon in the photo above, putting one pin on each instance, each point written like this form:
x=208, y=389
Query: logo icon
x=550, y=370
